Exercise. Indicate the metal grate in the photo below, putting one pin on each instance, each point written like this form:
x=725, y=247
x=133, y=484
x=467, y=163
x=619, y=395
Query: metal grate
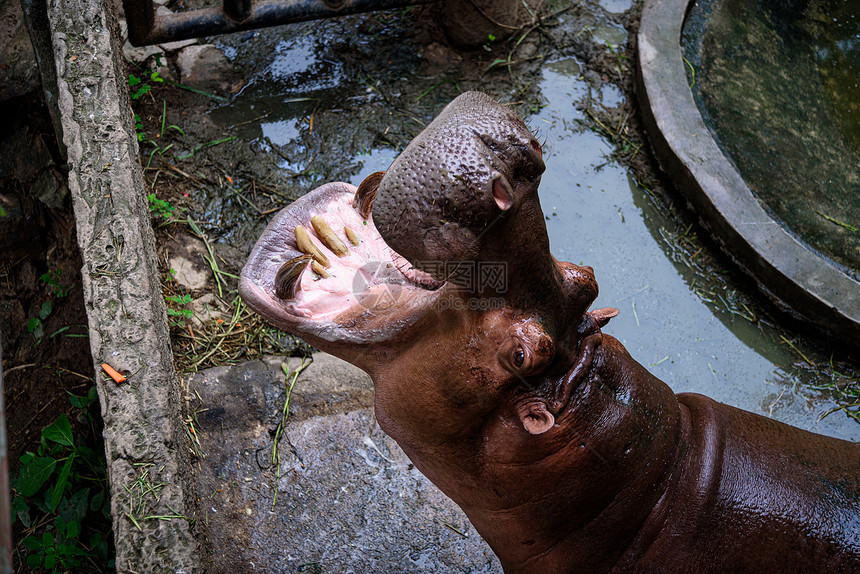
x=145, y=27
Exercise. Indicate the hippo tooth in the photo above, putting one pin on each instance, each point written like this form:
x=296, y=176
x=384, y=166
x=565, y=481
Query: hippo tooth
x=366, y=193
x=319, y=269
x=305, y=245
x=350, y=234
x=287, y=279
x=327, y=236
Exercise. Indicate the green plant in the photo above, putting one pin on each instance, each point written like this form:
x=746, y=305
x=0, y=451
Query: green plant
x=141, y=85
x=60, y=498
x=51, y=280
x=138, y=128
x=160, y=207
x=36, y=325
x=183, y=313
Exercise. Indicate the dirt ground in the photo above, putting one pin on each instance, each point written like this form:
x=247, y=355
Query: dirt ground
x=43, y=323
x=39, y=264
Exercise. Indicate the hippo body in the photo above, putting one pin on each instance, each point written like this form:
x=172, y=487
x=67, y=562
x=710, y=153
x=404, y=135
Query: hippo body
x=564, y=452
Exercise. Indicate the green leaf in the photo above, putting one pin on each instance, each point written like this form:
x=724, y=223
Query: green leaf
x=60, y=431
x=32, y=543
x=72, y=529
x=133, y=80
x=34, y=560
x=74, y=508
x=72, y=550
x=60, y=487
x=97, y=500
x=21, y=510
x=33, y=475
x=141, y=91
x=33, y=323
x=47, y=307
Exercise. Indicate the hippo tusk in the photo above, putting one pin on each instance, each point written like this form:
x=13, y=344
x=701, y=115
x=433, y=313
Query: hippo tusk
x=366, y=193
x=287, y=282
x=319, y=269
x=305, y=245
x=327, y=236
x=350, y=234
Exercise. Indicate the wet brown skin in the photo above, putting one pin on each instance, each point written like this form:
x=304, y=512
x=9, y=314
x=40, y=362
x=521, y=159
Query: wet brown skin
x=564, y=452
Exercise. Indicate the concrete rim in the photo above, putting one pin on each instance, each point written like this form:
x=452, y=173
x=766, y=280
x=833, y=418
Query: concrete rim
x=799, y=280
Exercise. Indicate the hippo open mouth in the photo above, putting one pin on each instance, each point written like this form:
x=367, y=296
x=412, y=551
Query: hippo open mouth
x=455, y=221
x=322, y=269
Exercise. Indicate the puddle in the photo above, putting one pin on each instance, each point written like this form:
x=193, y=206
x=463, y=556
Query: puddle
x=373, y=161
x=616, y=6
x=598, y=216
x=609, y=34
x=280, y=132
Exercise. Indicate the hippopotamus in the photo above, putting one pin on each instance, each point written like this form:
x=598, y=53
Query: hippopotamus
x=496, y=378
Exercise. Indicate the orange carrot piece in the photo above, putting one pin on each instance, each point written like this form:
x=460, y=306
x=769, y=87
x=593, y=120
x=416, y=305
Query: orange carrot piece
x=114, y=374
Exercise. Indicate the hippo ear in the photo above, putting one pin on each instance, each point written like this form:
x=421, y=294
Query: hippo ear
x=535, y=417
x=502, y=192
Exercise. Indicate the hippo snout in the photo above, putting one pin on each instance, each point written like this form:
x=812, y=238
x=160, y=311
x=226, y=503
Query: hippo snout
x=476, y=161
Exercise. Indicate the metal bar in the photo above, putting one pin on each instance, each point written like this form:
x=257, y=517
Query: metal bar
x=237, y=10
x=140, y=16
x=212, y=21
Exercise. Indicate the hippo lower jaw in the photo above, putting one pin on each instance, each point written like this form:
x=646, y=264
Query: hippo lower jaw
x=347, y=287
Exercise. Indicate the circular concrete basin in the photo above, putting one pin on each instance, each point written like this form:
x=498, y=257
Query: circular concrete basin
x=797, y=277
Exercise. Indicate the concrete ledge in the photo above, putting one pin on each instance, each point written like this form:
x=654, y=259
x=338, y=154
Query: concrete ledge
x=342, y=497
x=152, y=493
x=798, y=279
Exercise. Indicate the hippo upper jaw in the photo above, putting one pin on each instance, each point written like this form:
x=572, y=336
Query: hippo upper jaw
x=461, y=180
x=362, y=294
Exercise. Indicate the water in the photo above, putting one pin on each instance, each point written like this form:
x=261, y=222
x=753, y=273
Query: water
x=838, y=57
x=778, y=88
x=598, y=216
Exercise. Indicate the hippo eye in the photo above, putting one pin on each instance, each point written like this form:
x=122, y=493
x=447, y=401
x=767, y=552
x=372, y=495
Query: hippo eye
x=518, y=357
